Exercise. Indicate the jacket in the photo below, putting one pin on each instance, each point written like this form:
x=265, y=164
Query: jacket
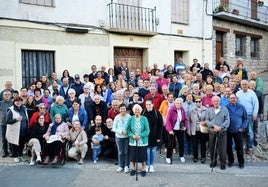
x=82, y=116
x=56, y=109
x=172, y=118
x=238, y=117
x=145, y=130
x=222, y=119
x=193, y=119
x=62, y=130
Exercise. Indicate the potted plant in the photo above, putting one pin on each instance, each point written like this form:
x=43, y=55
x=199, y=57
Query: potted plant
x=260, y=2
x=221, y=8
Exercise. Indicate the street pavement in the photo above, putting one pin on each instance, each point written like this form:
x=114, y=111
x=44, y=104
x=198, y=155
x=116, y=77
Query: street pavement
x=104, y=172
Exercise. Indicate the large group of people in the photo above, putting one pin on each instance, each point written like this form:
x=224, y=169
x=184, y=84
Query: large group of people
x=127, y=115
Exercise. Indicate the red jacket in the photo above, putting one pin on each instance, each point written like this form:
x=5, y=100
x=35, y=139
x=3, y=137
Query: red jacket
x=157, y=100
x=33, y=119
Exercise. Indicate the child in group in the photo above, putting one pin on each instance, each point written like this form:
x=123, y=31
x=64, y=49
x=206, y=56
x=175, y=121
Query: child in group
x=95, y=144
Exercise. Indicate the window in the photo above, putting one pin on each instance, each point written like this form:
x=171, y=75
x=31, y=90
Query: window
x=35, y=64
x=240, y=45
x=49, y=3
x=180, y=11
x=254, y=47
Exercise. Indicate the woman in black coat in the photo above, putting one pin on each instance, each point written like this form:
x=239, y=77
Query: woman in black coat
x=156, y=124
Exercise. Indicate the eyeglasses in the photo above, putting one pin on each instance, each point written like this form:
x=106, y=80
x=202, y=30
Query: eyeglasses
x=198, y=101
x=41, y=118
x=42, y=108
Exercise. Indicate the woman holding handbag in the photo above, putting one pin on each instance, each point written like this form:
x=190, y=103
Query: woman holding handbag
x=78, y=142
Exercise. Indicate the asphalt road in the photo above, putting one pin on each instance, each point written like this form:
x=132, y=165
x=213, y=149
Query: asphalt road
x=104, y=174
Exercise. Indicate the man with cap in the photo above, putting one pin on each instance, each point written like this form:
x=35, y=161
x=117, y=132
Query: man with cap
x=77, y=85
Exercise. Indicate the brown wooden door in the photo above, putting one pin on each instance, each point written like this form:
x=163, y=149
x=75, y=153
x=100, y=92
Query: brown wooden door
x=219, y=46
x=132, y=57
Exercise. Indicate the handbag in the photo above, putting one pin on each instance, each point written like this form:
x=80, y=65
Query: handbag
x=204, y=129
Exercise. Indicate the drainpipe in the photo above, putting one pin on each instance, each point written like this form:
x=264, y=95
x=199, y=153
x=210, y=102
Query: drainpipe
x=203, y=32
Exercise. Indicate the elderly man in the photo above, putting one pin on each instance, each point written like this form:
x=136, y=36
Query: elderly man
x=4, y=105
x=217, y=119
x=8, y=87
x=249, y=100
x=238, y=123
x=157, y=98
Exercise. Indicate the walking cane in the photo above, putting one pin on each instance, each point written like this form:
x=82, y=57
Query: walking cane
x=136, y=164
x=214, y=151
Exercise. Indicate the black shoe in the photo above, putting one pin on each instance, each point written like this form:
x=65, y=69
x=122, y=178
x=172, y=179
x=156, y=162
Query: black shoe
x=241, y=166
x=255, y=143
x=223, y=167
x=5, y=154
x=203, y=160
x=132, y=172
x=12, y=156
x=143, y=173
x=231, y=164
x=195, y=160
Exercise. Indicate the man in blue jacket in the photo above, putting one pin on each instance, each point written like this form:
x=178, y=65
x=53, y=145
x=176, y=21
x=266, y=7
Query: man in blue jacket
x=238, y=123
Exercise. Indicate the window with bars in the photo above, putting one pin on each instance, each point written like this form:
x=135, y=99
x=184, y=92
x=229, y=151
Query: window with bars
x=254, y=47
x=49, y=3
x=180, y=11
x=240, y=45
x=35, y=64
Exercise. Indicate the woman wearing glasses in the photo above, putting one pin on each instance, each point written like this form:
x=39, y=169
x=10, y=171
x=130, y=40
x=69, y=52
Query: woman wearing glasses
x=41, y=111
x=196, y=118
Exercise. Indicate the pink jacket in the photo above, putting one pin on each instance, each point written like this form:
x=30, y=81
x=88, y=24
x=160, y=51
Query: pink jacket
x=172, y=118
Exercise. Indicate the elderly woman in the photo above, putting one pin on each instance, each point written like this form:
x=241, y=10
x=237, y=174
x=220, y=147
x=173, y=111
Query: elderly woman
x=41, y=111
x=57, y=132
x=207, y=99
x=17, y=128
x=77, y=113
x=197, y=117
x=87, y=95
x=58, y=108
x=138, y=132
x=176, y=124
x=36, y=142
x=71, y=97
x=122, y=140
x=78, y=139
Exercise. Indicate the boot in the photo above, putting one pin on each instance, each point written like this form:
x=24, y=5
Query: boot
x=46, y=161
x=55, y=160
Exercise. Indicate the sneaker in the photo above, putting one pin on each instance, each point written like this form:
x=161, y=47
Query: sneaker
x=17, y=159
x=95, y=161
x=168, y=160
x=203, y=160
x=195, y=160
x=38, y=160
x=182, y=159
x=132, y=173
x=119, y=169
x=31, y=163
x=126, y=169
x=147, y=168
x=151, y=169
x=143, y=173
x=81, y=161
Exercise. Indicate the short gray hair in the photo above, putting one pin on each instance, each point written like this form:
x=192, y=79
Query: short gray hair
x=136, y=106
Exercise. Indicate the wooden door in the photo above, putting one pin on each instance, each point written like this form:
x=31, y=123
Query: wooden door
x=132, y=57
x=219, y=46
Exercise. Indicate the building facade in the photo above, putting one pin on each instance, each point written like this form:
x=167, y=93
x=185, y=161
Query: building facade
x=240, y=30
x=41, y=36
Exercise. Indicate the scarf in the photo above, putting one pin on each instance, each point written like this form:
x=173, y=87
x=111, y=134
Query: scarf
x=54, y=128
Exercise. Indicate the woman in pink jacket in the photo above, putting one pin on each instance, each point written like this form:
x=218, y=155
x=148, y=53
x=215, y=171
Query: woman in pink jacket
x=176, y=124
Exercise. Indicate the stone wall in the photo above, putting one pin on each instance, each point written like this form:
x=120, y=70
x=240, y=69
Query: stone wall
x=260, y=63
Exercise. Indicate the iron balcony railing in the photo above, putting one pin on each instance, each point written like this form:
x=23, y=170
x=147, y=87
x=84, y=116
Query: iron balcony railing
x=132, y=19
x=241, y=9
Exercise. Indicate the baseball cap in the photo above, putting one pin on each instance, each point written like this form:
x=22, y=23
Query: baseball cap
x=77, y=76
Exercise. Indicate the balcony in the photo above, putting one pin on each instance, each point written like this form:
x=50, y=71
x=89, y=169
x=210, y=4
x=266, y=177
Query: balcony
x=130, y=19
x=246, y=12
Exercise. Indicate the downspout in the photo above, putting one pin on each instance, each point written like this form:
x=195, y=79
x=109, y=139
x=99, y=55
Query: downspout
x=203, y=32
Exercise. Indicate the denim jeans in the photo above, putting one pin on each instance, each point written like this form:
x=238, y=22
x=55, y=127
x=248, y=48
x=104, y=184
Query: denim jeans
x=123, y=152
x=4, y=140
x=249, y=131
x=151, y=154
x=96, y=152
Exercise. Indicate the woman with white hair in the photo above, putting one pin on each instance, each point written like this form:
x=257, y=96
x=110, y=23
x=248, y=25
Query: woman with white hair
x=58, y=108
x=176, y=124
x=87, y=95
x=138, y=132
x=71, y=97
